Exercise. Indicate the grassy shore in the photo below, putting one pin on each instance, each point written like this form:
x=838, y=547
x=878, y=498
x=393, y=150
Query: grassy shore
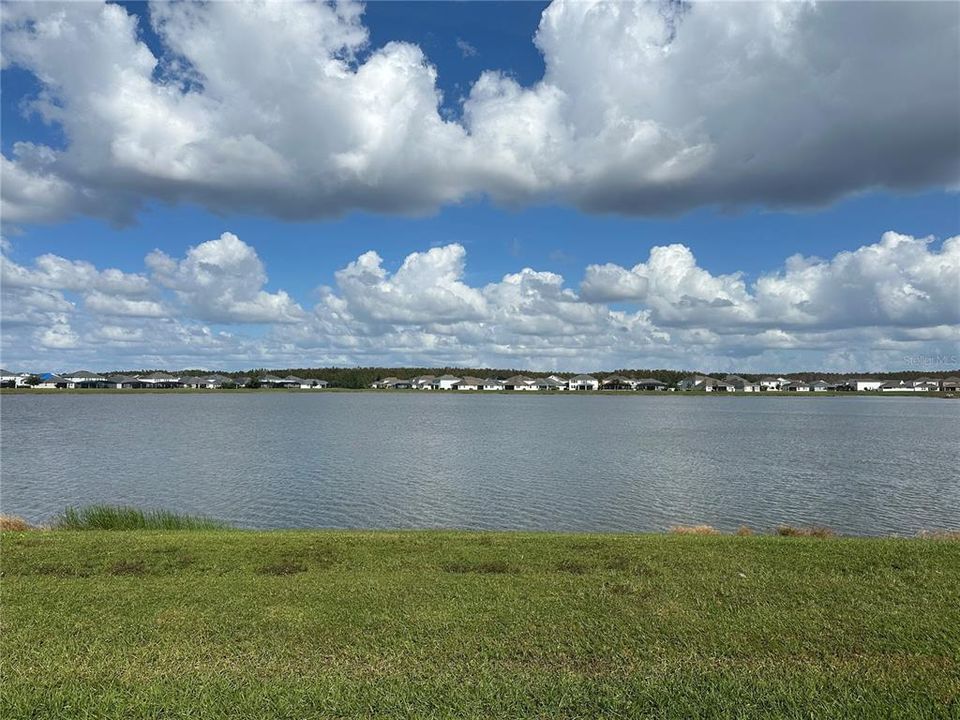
x=230, y=623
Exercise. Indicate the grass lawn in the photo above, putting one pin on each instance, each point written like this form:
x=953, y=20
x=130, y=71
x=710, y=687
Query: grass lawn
x=201, y=624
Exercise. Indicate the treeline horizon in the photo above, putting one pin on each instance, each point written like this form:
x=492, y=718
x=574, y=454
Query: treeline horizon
x=362, y=377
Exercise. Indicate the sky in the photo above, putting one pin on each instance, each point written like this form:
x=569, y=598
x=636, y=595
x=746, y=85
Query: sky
x=555, y=186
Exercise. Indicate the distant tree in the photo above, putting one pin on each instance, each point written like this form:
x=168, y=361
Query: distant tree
x=254, y=383
x=33, y=380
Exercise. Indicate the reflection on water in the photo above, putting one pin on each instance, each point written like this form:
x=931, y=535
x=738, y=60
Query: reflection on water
x=573, y=463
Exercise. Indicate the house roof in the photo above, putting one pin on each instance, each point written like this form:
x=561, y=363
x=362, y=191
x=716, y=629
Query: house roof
x=617, y=378
x=583, y=378
x=157, y=376
x=122, y=378
x=83, y=374
x=446, y=377
x=517, y=380
x=471, y=381
x=650, y=381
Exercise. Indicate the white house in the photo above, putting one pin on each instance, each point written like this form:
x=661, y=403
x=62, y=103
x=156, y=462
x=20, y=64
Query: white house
x=795, y=386
x=11, y=379
x=819, y=386
x=902, y=386
x=124, y=382
x=518, y=382
x=741, y=384
x=549, y=384
x=423, y=382
x=50, y=382
x=491, y=384
x=650, y=384
x=862, y=384
x=159, y=380
x=769, y=384
x=469, y=383
x=618, y=382
x=583, y=382
x=445, y=382
x=704, y=383
x=85, y=379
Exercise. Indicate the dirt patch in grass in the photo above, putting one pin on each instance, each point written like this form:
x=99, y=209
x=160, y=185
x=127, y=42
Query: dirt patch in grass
x=694, y=530
x=60, y=571
x=129, y=567
x=571, y=566
x=14, y=523
x=492, y=567
x=284, y=567
x=814, y=532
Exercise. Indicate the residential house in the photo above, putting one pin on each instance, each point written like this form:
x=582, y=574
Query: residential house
x=491, y=384
x=159, y=380
x=617, y=382
x=124, y=382
x=650, y=384
x=549, y=384
x=271, y=381
x=423, y=382
x=85, y=379
x=518, y=382
x=950, y=384
x=445, y=382
x=863, y=384
x=704, y=383
x=769, y=384
x=795, y=386
x=469, y=383
x=741, y=384
x=583, y=383
x=820, y=386
x=49, y=381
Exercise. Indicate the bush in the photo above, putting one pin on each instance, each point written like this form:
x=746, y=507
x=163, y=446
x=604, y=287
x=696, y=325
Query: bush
x=112, y=517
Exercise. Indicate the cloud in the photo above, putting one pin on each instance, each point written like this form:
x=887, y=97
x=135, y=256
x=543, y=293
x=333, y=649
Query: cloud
x=466, y=49
x=881, y=305
x=285, y=109
x=221, y=281
x=898, y=281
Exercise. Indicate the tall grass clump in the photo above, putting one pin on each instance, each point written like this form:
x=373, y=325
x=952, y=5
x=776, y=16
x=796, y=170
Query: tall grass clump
x=114, y=517
x=14, y=523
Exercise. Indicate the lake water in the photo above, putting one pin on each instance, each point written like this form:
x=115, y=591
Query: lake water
x=427, y=460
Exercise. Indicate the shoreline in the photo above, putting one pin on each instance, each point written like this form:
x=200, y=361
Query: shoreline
x=508, y=393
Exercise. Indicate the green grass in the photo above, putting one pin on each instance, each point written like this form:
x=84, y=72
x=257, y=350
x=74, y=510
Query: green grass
x=210, y=624
x=113, y=517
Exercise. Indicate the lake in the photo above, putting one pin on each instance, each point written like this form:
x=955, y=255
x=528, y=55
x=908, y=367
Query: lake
x=861, y=465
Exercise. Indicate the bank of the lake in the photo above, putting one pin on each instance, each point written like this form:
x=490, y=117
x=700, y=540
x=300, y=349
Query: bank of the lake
x=447, y=624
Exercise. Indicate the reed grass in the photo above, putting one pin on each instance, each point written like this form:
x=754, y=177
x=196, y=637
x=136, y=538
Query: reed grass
x=14, y=523
x=119, y=517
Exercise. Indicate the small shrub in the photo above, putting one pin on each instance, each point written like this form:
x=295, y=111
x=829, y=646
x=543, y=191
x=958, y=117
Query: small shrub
x=815, y=532
x=694, y=530
x=114, y=517
x=13, y=523
x=744, y=531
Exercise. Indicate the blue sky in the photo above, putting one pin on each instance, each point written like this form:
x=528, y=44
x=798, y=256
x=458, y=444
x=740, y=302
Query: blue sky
x=488, y=171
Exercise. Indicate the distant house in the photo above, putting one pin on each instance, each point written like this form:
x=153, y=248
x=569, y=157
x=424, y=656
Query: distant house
x=422, y=382
x=929, y=383
x=795, y=386
x=49, y=381
x=271, y=381
x=445, y=382
x=820, y=386
x=491, y=384
x=10, y=379
x=85, y=379
x=951, y=383
x=549, y=384
x=124, y=382
x=242, y=381
x=617, y=382
x=469, y=383
x=649, y=384
x=902, y=386
x=518, y=382
x=704, y=383
x=863, y=384
x=741, y=384
x=769, y=383
x=159, y=380
x=583, y=383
